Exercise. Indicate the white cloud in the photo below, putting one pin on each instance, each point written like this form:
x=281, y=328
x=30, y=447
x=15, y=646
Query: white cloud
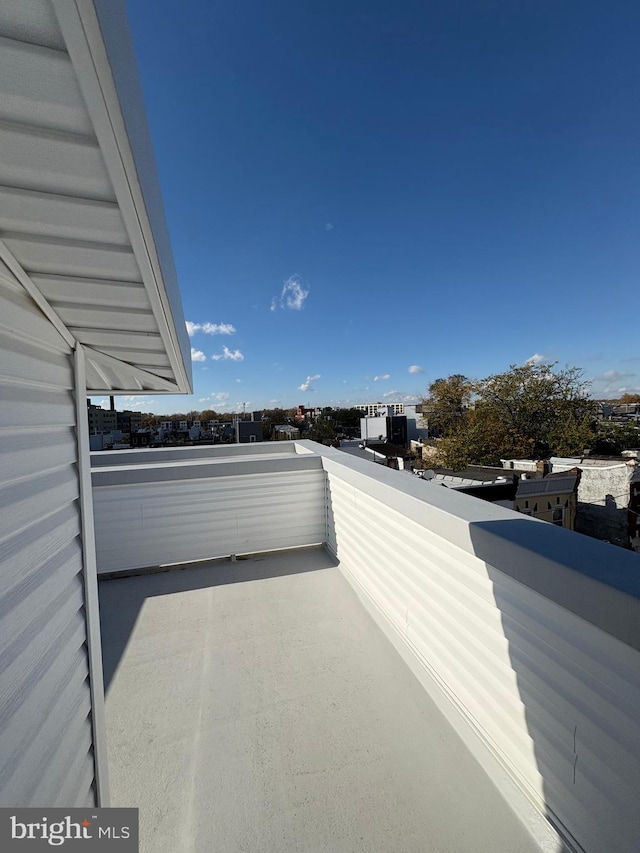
x=203, y=399
x=293, y=295
x=380, y=378
x=197, y=355
x=274, y=401
x=306, y=385
x=227, y=354
x=536, y=358
x=328, y=226
x=615, y=375
x=134, y=402
x=238, y=381
x=391, y=394
x=415, y=368
x=210, y=328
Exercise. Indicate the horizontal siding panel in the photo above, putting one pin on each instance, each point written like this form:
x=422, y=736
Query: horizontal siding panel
x=26, y=454
x=91, y=291
x=91, y=260
x=68, y=671
x=179, y=521
x=550, y=693
x=46, y=536
x=74, y=713
x=30, y=597
x=39, y=87
x=45, y=699
x=135, y=346
x=22, y=318
x=77, y=785
x=34, y=22
x=22, y=361
x=24, y=405
x=58, y=216
x=129, y=319
x=22, y=507
x=50, y=162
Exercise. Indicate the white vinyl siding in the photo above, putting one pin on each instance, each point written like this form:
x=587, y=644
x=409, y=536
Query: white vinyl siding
x=554, y=697
x=46, y=748
x=176, y=521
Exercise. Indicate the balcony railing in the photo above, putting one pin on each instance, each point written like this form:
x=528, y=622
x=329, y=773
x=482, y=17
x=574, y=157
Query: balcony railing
x=526, y=636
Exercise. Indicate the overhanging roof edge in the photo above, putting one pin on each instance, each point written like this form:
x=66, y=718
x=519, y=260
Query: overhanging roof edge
x=97, y=38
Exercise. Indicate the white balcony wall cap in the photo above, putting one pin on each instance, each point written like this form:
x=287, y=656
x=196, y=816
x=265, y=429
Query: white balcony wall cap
x=596, y=581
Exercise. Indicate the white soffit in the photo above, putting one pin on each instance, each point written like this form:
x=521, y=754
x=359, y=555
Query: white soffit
x=81, y=220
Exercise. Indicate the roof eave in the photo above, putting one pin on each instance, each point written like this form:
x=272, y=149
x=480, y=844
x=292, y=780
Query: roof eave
x=97, y=39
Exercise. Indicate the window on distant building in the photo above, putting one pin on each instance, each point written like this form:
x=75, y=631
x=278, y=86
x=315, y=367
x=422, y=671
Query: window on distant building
x=558, y=516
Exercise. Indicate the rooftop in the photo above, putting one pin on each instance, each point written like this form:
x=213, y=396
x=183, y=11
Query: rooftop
x=305, y=651
x=255, y=705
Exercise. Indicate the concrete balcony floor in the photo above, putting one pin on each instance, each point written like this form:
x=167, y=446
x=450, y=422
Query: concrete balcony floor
x=256, y=707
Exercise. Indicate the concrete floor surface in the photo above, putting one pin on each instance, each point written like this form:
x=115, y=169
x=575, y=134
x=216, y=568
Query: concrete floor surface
x=255, y=707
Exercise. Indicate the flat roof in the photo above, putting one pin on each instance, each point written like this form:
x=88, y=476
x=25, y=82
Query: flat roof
x=256, y=705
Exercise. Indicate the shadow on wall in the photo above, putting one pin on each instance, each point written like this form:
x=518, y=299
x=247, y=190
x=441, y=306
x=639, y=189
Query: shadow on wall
x=122, y=598
x=561, y=608
x=606, y=522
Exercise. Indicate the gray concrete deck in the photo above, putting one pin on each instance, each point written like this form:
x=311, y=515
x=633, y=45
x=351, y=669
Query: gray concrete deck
x=256, y=707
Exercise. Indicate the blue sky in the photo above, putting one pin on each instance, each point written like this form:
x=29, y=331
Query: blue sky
x=365, y=196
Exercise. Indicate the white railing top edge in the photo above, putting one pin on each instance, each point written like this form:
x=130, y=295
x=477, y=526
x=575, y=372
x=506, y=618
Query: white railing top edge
x=596, y=581
x=156, y=455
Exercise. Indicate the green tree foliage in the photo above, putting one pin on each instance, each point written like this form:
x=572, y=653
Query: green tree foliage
x=447, y=401
x=323, y=429
x=612, y=438
x=530, y=411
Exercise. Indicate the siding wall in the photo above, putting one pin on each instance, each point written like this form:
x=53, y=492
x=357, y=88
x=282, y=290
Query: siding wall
x=554, y=697
x=152, y=515
x=46, y=752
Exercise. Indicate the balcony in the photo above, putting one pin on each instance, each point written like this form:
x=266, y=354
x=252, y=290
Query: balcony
x=304, y=651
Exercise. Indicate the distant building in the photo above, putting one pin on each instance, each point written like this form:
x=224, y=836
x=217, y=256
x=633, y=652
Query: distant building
x=285, y=432
x=416, y=429
x=552, y=498
x=128, y=421
x=304, y=413
x=248, y=431
x=372, y=410
x=603, y=495
x=101, y=420
x=391, y=428
x=140, y=438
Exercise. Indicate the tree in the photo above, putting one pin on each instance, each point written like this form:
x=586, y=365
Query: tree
x=528, y=411
x=348, y=420
x=446, y=402
x=629, y=398
x=612, y=438
x=323, y=430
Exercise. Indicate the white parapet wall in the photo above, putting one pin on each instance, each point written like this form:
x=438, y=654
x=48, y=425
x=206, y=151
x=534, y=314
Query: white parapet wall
x=531, y=631
x=158, y=507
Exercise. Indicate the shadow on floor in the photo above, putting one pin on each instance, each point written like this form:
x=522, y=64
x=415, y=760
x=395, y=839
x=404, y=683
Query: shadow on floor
x=122, y=598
